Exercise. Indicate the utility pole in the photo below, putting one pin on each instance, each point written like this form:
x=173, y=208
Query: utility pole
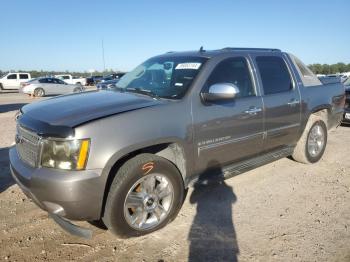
x=103, y=57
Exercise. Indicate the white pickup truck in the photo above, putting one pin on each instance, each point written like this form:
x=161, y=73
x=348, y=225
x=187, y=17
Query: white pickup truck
x=13, y=80
x=69, y=79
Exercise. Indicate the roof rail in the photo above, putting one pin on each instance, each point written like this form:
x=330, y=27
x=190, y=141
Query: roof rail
x=249, y=49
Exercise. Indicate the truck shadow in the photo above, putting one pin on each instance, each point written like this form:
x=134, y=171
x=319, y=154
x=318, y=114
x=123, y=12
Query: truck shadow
x=10, y=107
x=6, y=179
x=212, y=236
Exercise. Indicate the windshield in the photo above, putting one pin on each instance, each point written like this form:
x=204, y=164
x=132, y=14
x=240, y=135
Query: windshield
x=164, y=77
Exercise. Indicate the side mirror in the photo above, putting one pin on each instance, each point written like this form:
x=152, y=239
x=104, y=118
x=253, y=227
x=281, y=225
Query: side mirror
x=220, y=92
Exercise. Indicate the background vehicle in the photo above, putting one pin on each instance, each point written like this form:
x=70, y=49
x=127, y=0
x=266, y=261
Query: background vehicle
x=49, y=86
x=346, y=118
x=127, y=156
x=112, y=77
x=69, y=79
x=107, y=84
x=13, y=80
x=93, y=80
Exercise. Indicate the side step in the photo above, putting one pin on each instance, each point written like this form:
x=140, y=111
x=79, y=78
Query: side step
x=239, y=168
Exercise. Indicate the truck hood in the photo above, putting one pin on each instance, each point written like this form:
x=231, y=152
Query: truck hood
x=58, y=116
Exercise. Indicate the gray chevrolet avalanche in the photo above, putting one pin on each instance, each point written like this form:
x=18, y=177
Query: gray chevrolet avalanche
x=126, y=156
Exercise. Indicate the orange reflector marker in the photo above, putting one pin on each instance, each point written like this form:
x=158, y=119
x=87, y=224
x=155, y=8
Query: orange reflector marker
x=84, y=150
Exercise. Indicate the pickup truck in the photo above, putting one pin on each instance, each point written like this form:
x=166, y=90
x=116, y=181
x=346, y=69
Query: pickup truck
x=13, y=80
x=72, y=80
x=125, y=157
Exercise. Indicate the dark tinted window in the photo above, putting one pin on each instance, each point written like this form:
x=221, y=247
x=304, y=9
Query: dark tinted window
x=12, y=76
x=235, y=71
x=43, y=80
x=274, y=74
x=23, y=76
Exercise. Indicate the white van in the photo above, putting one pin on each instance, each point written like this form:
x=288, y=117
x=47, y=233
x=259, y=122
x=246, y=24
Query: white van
x=13, y=80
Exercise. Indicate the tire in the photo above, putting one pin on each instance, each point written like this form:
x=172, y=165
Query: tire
x=121, y=209
x=39, y=92
x=305, y=151
x=78, y=83
x=77, y=90
x=1, y=88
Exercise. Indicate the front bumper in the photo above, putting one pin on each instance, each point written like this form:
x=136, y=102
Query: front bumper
x=75, y=195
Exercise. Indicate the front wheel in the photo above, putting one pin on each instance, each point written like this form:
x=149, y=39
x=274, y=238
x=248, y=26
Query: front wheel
x=147, y=192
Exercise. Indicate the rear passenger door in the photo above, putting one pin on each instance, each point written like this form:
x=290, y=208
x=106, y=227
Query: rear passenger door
x=23, y=78
x=281, y=100
x=228, y=131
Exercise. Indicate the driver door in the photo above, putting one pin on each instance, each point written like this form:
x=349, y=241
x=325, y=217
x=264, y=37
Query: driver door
x=231, y=130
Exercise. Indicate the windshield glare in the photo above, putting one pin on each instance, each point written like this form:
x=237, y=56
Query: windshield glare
x=164, y=77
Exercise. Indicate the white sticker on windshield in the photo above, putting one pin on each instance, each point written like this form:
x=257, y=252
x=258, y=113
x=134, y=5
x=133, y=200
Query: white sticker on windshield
x=188, y=66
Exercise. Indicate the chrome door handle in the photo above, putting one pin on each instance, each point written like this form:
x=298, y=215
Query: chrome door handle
x=253, y=111
x=293, y=102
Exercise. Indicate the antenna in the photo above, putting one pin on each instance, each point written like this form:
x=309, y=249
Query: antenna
x=103, y=57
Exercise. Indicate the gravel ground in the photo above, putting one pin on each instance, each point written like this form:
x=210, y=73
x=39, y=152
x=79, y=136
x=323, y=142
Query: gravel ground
x=284, y=211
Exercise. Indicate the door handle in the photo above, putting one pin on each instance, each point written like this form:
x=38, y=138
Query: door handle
x=293, y=102
x=253, y=110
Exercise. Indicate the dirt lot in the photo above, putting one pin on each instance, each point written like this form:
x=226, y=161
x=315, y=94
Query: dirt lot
x=283, y=211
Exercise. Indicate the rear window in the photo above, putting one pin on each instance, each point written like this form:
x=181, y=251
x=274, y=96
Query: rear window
x=308, y=78
x=274, y=74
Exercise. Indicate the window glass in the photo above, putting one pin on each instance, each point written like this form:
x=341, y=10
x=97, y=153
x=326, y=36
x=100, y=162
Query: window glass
x=59, y=81
x=307, y=76
x=12, y=76
x=65, y=77
x=49, y=81
x=23, y=76
x=235, y=71
x=43, y=80
x=274, y=74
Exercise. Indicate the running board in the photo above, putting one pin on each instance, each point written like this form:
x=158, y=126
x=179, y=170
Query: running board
x=239, y=168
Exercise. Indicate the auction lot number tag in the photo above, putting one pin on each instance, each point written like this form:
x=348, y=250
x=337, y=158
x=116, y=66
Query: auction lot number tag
x=194, y=66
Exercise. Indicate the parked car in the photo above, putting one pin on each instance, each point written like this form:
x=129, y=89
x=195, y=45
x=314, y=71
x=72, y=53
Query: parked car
x=93, y=80
x=107, y=84
x=346, y=118
x=13, y=80
x=49, y=86
x=113, y=76
x=73, y=80
x=127, y=155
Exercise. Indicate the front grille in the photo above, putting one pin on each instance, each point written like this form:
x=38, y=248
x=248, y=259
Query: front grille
x=28, y=146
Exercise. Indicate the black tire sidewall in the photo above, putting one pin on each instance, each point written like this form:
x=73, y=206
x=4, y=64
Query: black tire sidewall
x=315, y=159
x=114, y=213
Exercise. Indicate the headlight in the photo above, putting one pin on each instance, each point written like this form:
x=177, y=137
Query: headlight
x=68, y=154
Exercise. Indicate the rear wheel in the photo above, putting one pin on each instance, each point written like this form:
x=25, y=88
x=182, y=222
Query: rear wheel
x=146, y=193
x=39, y=92
x=77, y=90
x=312, y=144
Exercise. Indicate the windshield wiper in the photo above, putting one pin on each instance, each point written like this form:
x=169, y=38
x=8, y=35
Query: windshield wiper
x=143, y=92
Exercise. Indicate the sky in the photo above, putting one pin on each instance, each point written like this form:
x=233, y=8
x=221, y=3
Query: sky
x=67, y=35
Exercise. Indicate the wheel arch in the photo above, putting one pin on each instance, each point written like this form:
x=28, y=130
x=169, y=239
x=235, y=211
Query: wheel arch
x=172, y=151
x=322, y=111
